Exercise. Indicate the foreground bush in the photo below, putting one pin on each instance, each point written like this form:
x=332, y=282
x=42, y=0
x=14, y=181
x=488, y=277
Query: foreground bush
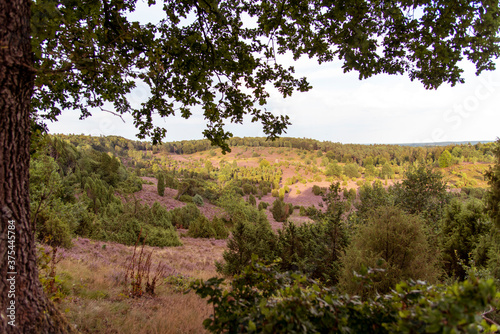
x=395, y=241
x=262, y=300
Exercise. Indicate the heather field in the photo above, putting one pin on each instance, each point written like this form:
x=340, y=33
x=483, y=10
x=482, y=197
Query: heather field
x=92, y=275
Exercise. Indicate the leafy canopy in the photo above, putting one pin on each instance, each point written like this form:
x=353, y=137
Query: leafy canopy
x=221, y=55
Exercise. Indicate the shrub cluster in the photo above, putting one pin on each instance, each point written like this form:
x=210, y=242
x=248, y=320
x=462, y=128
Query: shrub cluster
x=204, y=228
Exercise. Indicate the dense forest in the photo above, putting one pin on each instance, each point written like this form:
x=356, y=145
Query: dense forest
x=317, y=235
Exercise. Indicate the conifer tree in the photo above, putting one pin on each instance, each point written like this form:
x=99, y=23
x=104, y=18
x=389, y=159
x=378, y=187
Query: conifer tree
x=161, y=185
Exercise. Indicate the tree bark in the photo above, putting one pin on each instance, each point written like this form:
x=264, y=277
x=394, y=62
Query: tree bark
x=24, y=306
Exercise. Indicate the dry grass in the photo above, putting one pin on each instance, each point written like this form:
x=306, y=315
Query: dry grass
x=93, y=276
x=168, y=313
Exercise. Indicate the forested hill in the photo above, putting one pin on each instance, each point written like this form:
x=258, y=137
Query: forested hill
x=360, y=154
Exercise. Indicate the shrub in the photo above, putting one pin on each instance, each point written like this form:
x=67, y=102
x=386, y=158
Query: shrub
x=317, y=178
x=333, y=170
x=351, y=170
x=280, y=210
x=281, y=193
x=264, y=163
x=251, y=200
x=445, y=159
x=182, y=217
x=131, y=185
x=170, y=182
x=160, y=237
x=203, y=228
x=387, y=171
x=220, y=228
x=394, y=240
x=317, y=190
x=302, y=211
x=311, y=211
x=52, y=230
x=265, y=191
x=247, y=188
x=198, y=200
x=186, y=198
x=263, y=205
x=160, y=187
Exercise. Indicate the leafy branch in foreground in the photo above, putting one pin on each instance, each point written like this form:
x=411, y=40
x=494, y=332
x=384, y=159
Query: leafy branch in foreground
x=262, y=300
x=221, y=55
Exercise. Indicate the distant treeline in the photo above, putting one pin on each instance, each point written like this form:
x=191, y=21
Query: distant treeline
x=376, y=154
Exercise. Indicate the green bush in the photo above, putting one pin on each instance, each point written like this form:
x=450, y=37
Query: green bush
x=263, y=205
x=204, y=228
x=182, y=217
x=160, y=186
x=186, y=198
x=52, y=230
x=302, y=211
x=170, y=182
x=160, y=237
x=251, y=200
x=386, y=172
x=247, y=188
x=198, y=200
x=397, y=242
x=281, y=193
x=265, y=191
x=124, y=224
x=317, y=190
x=351, y=170
x=280, y=210
x=334, y=170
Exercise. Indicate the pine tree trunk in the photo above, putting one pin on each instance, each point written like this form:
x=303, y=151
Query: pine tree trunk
x=24, y=306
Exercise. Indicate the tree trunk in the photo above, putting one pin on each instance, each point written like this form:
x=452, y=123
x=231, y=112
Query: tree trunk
x=24, y=306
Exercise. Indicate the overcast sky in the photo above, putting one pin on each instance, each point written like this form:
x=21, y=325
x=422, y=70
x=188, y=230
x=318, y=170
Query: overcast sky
x=341, y=108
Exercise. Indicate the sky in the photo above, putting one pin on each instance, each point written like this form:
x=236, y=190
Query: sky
x=340, y=108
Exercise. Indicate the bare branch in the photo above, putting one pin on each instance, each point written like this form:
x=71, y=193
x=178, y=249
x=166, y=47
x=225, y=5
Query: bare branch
x=113, y=113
